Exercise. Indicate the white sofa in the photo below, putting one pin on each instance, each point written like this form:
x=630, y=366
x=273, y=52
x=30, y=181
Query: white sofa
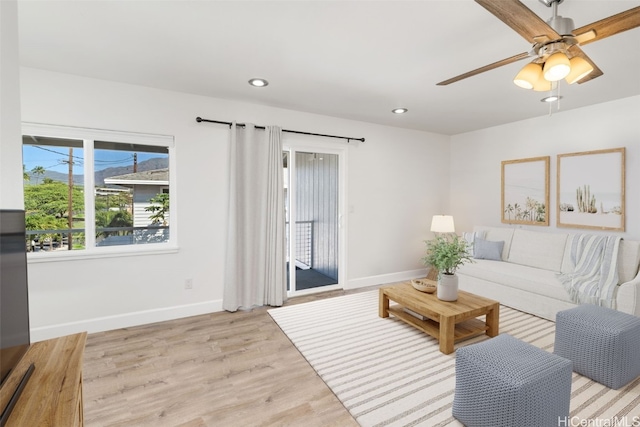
x=526, y=277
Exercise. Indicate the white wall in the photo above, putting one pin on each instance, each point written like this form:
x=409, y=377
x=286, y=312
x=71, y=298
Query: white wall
x=396, y=182
x=476, y=159
x=10, y=139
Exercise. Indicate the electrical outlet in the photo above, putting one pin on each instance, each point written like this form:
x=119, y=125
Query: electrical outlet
x=188, y=284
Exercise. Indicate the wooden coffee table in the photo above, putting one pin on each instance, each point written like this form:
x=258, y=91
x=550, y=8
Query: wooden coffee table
x=448, y=322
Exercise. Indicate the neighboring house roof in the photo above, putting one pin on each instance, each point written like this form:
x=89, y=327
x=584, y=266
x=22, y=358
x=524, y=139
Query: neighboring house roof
x=152, y=177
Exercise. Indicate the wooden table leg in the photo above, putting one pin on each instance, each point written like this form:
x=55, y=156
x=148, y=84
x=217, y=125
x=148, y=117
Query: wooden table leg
x=493, y=321
x=447, y=328
x=383, y=309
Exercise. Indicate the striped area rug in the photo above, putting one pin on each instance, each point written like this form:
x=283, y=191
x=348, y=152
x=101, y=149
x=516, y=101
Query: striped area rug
x=387, y=373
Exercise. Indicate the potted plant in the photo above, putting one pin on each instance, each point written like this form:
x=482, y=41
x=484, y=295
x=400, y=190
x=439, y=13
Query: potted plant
x=446, y=254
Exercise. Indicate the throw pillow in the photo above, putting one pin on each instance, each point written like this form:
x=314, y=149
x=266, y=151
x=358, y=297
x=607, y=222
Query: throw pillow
x=470, y=237
x=487, y=249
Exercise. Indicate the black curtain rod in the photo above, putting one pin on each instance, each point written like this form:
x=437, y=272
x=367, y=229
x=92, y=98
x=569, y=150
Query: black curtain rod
x=349, y=139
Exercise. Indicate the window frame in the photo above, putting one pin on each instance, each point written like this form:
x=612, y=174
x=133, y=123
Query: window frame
x=88, y=136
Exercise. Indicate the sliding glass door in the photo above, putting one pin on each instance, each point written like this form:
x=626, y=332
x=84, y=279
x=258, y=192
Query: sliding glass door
x=313, y=201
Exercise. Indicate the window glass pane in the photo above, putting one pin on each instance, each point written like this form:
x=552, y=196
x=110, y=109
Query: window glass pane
x=53, y=193
x=131, y=193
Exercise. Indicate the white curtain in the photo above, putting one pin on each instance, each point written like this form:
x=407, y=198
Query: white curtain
x=256, y=264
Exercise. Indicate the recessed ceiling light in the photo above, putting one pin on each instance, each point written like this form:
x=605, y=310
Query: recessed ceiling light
x=399, y=110
x=258, y=82
x=552, y=98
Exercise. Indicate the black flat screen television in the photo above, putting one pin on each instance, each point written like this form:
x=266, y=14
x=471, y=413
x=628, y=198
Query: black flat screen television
x=14, y=306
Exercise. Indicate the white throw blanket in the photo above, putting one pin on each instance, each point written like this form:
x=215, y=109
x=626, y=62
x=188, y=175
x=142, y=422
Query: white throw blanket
x=595, y=277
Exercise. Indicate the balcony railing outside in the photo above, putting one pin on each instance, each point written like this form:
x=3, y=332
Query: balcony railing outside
x=58, y=239
x=304, y=244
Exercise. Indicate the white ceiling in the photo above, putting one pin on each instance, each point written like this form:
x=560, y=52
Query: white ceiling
x=349, y=59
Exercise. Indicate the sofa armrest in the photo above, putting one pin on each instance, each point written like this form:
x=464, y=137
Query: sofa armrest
x=628, y=296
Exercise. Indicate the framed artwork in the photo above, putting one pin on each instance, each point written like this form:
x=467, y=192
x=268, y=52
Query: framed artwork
x=590, y=190
x=525, y=191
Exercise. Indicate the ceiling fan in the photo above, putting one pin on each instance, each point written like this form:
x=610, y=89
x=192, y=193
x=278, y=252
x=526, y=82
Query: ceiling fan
x=556, y=43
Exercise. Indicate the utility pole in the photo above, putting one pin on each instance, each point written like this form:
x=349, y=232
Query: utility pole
x=70, y=206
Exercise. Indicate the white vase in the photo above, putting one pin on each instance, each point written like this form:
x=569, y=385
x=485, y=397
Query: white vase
x=448, y=287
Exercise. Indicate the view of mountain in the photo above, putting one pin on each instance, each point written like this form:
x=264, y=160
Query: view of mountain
x=147, y=165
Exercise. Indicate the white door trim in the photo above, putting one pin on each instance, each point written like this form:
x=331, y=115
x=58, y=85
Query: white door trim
x=293, y=144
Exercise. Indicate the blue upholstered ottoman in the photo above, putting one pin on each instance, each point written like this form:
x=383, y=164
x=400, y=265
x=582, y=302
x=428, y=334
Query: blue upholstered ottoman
x=604, y=344
x=507, y=382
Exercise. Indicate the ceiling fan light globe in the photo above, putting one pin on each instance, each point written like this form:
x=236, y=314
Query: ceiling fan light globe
x=556, y=67
x=528, y=76
x=579, y=69
x=542, y=85
x=523, y=84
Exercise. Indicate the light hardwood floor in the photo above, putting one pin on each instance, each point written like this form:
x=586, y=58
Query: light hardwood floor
x=220, y=369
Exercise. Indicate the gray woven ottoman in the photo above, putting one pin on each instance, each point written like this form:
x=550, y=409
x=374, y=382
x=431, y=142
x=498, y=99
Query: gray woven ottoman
x=604, y=344
x=507, y=382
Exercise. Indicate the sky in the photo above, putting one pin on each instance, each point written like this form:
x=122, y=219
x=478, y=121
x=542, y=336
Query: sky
x=56, y=159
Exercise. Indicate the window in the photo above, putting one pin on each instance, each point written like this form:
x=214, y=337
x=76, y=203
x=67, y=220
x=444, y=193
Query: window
x=94, y=191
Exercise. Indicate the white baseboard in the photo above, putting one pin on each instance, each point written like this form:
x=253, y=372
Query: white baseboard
x=125, y=320
x=386, y=278
x=100, y=324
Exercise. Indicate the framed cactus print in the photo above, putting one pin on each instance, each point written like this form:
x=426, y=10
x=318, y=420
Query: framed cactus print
x=525, y=191
x=590, y=189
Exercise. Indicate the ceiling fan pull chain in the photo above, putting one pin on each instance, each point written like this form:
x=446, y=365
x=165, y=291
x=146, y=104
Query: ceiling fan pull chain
x=558, y=90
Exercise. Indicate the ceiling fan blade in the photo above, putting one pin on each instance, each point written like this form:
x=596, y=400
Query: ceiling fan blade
x=597, y=72
x=610, y=26
x=497, y=64
x=520, y=18
x=584, y=38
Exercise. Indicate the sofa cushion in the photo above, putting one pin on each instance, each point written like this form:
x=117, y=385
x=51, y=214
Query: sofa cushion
x=486, y=249
x=568, y=265
x=530, y=279
x=538, y=249
x=628, y=260
x=470, y=238
x=498, y=234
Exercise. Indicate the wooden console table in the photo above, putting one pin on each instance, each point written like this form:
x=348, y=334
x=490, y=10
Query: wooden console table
x=53, y=394
x=446, y=321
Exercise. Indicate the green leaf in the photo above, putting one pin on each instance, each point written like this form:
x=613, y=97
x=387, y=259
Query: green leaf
x=446, y=254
